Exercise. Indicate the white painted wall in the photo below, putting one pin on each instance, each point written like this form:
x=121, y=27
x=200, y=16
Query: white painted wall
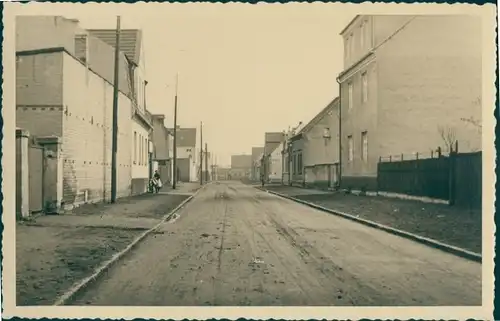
x=275, y=168
x=139, y=143
x=190, y=152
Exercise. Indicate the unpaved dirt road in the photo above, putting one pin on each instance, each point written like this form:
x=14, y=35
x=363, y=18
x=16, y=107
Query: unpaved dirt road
x=236, y=245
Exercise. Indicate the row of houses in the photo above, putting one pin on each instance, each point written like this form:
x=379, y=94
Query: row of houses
x=64, y=117
x=410, y=88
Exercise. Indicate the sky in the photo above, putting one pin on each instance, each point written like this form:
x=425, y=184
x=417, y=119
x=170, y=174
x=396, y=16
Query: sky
x=243, y=69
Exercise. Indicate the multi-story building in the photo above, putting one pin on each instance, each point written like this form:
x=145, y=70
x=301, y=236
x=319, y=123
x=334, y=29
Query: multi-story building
x=59, y=93
x=406, y=80
x=132, y=47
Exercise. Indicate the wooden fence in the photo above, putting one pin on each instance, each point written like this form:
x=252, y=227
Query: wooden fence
x=456, y=178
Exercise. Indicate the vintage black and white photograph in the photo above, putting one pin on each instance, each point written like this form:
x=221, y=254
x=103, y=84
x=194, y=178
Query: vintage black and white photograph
x=213, y=156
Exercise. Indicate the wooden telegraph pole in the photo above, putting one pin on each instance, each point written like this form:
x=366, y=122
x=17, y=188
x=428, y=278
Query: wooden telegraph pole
x=201, y=153
x=174, y=170
x=115, y=113
x=206, y=163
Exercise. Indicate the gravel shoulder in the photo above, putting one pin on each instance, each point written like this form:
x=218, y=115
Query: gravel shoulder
x=461, y=227
x=54, y=252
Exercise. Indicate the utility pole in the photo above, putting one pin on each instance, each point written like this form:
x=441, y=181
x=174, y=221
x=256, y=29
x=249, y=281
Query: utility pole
x=206, y=163
x=174, y=170
x=201, y=153
x=115, y=113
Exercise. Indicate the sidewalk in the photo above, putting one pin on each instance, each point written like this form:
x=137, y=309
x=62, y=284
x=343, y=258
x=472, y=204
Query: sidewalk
x=53, y=252
x=456, y=226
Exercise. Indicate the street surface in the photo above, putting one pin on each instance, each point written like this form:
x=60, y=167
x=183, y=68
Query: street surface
x=236, y=245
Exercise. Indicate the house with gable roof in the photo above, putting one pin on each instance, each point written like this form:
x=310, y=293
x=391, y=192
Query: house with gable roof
x=187, y=155
x=272, y=160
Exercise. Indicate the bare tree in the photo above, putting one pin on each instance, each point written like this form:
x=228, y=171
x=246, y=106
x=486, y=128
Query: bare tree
x=476, y=123
x=449, y=137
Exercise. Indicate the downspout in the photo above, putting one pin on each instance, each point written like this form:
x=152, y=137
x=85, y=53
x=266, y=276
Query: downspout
x=340, y=133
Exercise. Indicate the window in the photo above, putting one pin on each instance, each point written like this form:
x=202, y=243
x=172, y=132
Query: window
x=299, y=163
x=139, y=160
x=326, y=132
x=364, y=144
x=294, y=164
x=142, y=150
x=349, y=97
x=135, y=147
x=364, y=88
x=351, y=148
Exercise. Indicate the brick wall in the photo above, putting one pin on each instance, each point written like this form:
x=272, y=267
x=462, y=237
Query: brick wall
x=429, y=77
x=39, y=80
x=87, y=138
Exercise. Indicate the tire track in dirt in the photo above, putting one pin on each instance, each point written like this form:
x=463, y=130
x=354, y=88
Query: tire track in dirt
x=348, y=286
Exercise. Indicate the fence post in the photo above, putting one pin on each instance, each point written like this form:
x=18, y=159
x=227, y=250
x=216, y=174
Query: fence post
x=401, y=156
x=22, y=174
x=53, y=174
x=439, y=152
x=378, y=173
x=452, y=174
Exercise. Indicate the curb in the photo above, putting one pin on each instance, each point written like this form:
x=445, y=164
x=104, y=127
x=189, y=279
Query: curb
x=83, y=284
x=466, y=254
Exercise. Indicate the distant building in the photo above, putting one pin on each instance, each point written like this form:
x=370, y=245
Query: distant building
x=162, y=152
x=207, y=167
x=256, y=156
x=406, y=80
x=272, y=157
x=241, y=166
x=223, y=173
